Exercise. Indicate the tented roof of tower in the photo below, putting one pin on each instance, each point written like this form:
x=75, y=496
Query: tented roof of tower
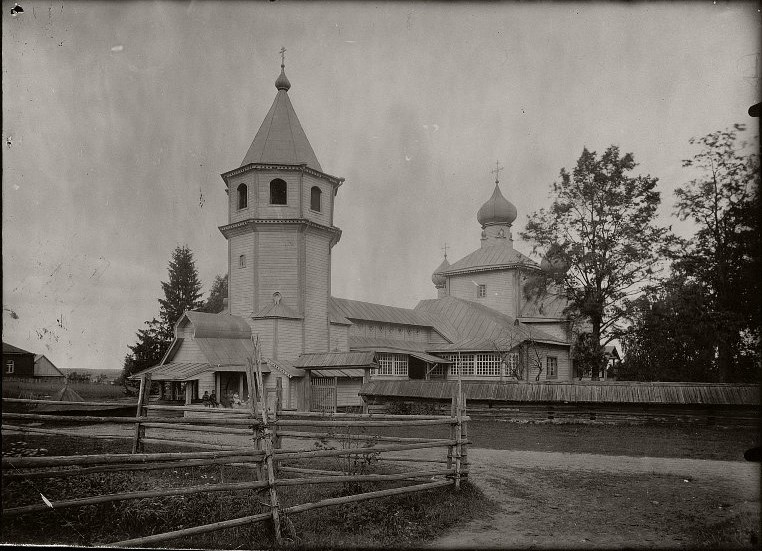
x=281, y=138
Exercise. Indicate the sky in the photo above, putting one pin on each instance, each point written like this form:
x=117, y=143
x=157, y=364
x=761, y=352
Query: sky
x=119, y=117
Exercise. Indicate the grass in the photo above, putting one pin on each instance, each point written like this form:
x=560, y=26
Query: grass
x=396, y=521
x=44, y=390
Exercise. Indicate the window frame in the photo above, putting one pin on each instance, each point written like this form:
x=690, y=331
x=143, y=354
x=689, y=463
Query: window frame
x=242, y=192
x=391, y=365
x=10, y=367
x=242, y=261
x=554, y=373
x=319, y=196
x=279, y=181
x=481, y=290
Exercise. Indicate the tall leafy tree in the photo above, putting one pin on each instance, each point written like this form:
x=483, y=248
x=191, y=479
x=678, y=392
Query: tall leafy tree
x=182, y=292
x=723, y=257
x=602, y=222
x=219, y=291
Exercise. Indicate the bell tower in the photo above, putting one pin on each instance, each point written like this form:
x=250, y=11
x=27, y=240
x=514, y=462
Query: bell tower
x=280, y=234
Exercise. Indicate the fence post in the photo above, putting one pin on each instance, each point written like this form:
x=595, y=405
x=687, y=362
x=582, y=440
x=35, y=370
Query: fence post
x=140, y=430
x=464, y=435
x=458, y=435
x=451, y=448
x=278, y=409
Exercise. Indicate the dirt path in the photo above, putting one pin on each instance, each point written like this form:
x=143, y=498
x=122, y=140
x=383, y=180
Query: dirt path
x=528, y=514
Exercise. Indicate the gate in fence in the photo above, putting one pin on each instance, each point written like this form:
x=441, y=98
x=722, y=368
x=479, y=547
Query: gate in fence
x=324, y=397
x=267, y=454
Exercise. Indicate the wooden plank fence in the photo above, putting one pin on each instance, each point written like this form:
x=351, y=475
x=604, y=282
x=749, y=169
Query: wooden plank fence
x=268, y=429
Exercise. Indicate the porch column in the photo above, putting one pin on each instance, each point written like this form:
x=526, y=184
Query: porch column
x=188, y=392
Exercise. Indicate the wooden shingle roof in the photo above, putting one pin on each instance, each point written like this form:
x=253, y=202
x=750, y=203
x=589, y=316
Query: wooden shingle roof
x=620, y=392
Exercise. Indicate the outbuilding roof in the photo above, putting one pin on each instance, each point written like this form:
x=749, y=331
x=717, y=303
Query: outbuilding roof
x=10, y=349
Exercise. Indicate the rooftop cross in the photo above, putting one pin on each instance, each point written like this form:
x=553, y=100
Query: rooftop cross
x=283, y=57
x=497, y=170
x=445, y=250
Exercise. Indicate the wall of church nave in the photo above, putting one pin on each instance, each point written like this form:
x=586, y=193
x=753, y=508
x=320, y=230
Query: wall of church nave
x=325, y=215
x=188, y=352
x=339, y=337
x=500, y=289
x=542, y=353
x=317, y=288
x=377, y=329
x=277, y=266
x=289, y=340
x=555, y=329
x=241, y=273
x=264, y=329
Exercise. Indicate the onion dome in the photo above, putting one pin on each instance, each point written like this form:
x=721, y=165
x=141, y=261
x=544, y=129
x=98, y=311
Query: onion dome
x=438, y=278
x=497, y=211
x=556, y=260
x=282, y=83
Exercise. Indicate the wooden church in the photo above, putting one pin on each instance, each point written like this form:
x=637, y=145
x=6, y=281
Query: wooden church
x=280, y=235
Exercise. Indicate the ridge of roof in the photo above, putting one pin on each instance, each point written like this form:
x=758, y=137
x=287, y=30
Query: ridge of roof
x=492, y=257
x=281, y=138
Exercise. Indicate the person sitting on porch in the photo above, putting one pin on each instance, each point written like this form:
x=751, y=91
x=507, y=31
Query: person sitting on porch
x=205, y=399
x=236, y=401
x=213, y=400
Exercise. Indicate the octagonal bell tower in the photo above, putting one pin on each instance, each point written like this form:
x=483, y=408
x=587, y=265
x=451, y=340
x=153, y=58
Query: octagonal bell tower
x=280, y=234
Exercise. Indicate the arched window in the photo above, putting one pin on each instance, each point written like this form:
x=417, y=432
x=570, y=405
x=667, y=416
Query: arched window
x=278, y=192
x=242, y=261
x=315, y=198
x=243, y=196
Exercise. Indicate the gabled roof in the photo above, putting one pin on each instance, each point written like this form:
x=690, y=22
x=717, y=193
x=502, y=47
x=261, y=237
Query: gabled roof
x=10, y=349
x=281, y=138
x=492, y=257
x=369, y=311
x=277, y=310
x=226, y=352
x=43, y=367
x=476, y=321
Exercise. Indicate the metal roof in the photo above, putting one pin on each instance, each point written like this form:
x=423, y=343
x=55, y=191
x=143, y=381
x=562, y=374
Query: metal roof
x=378, y=343
x=281, y=138
x=429, y=358
x=335, y=359
x=334, y=316
x=226, y=352
x=620, y=392
x=356, y=309
x=492, y=257
x=285, y=368
x=216, y=325
x=476, y=321
x=177, y=371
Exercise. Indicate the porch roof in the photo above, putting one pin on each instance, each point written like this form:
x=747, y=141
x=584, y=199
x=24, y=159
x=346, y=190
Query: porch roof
x=346, y=372
x=335, y=359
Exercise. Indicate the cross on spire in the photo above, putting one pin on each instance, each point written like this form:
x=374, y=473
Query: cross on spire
x=445, y=250
x=497, y=170
x=283, y=57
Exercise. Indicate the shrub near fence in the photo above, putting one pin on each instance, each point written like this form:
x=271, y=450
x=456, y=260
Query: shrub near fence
x=341, y=436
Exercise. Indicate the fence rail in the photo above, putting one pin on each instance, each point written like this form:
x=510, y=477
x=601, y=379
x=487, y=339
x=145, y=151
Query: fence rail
x=264, y=452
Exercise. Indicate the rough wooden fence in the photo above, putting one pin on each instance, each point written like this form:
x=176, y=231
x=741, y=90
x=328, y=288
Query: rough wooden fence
x=264, y=452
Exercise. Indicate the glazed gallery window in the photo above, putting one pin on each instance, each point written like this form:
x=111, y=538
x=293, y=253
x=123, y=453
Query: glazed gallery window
x=243, y=196
x=278, y=192
x=551, y=367
x=488, y=365
x=481, y=291
x=465, y=361
x=391, y=364
x=315, y=198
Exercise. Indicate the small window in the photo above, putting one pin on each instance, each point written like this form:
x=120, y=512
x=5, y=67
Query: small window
x=278, y=192
x=10, y=366
x=481, y=291
x=243, y=196
x=315, y=198
x=551, y=365
x=242, y=261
